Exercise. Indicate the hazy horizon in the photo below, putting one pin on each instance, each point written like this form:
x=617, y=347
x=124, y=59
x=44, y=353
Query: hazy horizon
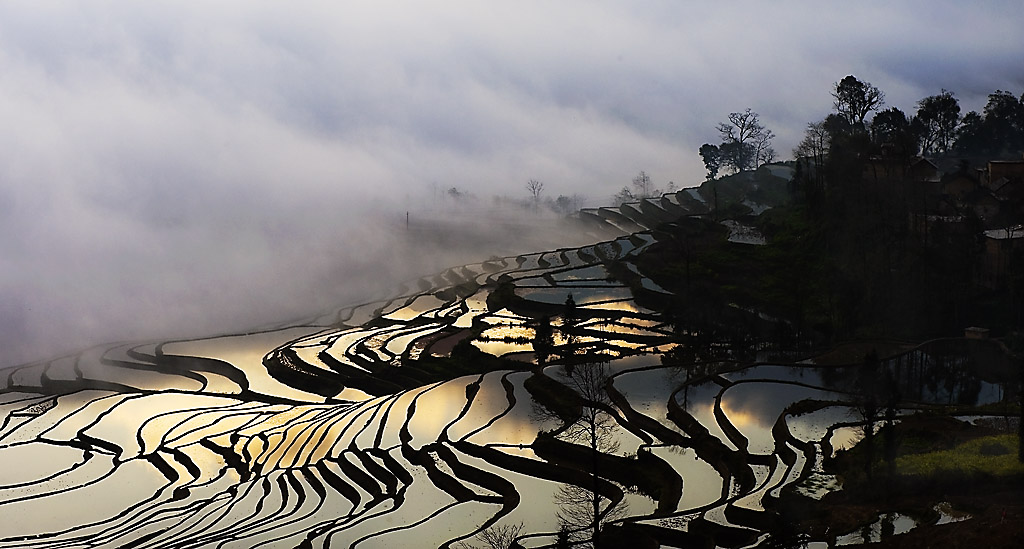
x=171, y=168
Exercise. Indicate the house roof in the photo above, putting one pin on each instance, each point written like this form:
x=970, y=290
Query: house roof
x=979, y=195
x=1013, y=232
x=951, y=176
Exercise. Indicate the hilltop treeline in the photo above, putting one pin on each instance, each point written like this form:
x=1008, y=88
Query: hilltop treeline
x=884, y=232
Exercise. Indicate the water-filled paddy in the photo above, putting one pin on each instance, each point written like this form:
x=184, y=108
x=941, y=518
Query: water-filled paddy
x=339, y=434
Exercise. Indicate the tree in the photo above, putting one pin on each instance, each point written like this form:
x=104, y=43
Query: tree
x=563, y=204
x=999, y=132
x=495, y=537
x=763, y=151
x=1004, y=123
x=814, y=147
x=567, y=204
x=543, y=339
x=938, y=117
x=838, y=127
x=570, y=320
x=855, y=99
x=623, y=196
x=736, y=155
x=972, y=138
x=535, y=187
x=815, y=144
x=712, y=157
x=892, y=129
x=643, y=186
x=743, y=139
x=586, y=509
x=867, y=404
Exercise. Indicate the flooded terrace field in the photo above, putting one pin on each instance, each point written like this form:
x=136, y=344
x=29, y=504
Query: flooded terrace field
x=339, y=431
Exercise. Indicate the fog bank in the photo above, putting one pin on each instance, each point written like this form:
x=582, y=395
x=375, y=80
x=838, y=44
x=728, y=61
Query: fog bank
x=176, y=168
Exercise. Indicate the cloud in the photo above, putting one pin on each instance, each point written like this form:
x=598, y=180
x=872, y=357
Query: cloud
x=178, y=167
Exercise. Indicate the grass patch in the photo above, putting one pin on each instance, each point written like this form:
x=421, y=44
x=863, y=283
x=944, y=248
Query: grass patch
x=989, y=456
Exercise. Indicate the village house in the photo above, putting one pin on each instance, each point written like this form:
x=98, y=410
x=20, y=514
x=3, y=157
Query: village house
x=901, y=169
x=1004, y=249
x=1000, y=172
x=959, y=184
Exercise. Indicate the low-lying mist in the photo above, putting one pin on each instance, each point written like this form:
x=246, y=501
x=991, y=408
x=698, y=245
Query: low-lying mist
x=178, y=169
x=175, y=274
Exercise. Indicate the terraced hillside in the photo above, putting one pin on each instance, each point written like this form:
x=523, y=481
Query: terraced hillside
x=530, y=390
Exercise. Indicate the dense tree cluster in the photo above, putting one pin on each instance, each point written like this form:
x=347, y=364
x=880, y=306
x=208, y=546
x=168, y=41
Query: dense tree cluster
x=998, y=131
x=854, y=188
x=935, y=129
x=891, y=254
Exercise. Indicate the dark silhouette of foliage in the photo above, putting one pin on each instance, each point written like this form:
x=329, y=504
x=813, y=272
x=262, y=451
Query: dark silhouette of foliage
x=712, y=157
x=855, y=99
x=745, y=141
x=892, y=131
x=938, y=117
x=586, y=509
x=543, y=339
x=998, y=132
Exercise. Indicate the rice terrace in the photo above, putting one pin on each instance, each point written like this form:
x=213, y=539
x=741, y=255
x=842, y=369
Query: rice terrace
x=511, y=275
x=552, y=398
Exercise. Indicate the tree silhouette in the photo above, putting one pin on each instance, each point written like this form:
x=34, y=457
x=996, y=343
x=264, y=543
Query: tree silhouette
x=495, y=537
x=570, y=319
x=938, y=117
x=814, y=147
x=535, y=187
x=892, y=129
x=712, y=157
x=543, y=339
x=585, y=509
x=642, y=184
x=855, y=99
x=743, y=140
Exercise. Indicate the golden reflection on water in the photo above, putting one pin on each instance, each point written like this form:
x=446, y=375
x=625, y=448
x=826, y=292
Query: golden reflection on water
x=501, y=348
x=420, y=305
x=505, y=336
x=440, y=406
x=475, y=306
x=508, y=331
x=613, y=327
x=737, y=417
x=246, y=352
x=437, y=407
x=628, y=306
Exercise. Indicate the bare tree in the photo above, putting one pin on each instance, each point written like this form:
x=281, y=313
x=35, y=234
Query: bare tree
x=495, y=537
x=582, y=512
x=815, y=145
x=535, y=187
x=763, y=151
x=743, y=138
x=643, y=186
x=623, y=196
x=584, y=509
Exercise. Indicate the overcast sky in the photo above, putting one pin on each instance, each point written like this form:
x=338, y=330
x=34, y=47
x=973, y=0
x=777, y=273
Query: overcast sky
x=175, y=167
